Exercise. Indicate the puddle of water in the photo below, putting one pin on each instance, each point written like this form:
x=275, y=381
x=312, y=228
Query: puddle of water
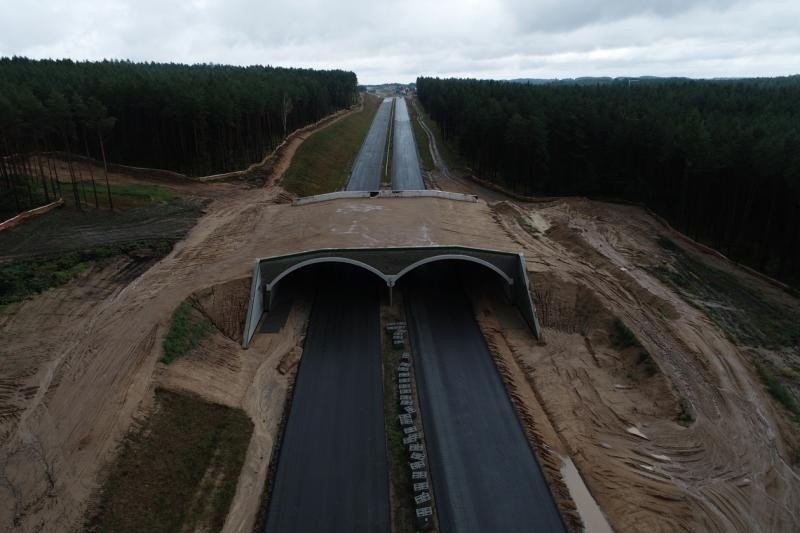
x=594, y=521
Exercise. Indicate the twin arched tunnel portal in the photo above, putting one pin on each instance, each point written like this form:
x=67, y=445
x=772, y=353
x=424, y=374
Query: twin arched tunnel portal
x=390, y=265
x=332, y=471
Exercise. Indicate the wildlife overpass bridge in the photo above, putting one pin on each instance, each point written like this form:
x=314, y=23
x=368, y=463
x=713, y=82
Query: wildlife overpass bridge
x=390, y=265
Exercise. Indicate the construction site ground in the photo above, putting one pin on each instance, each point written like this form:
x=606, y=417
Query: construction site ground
x=695, y=443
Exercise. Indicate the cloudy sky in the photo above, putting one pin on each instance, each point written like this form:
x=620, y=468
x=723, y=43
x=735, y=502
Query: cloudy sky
x=396, y=41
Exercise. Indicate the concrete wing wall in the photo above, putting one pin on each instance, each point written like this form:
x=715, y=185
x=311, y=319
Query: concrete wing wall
x=256, y=307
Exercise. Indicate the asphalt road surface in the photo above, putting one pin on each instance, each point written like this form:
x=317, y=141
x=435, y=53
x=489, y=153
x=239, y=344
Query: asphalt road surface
x=406, y=173
x=332, y=473
x=485, y=476
x=368, y=168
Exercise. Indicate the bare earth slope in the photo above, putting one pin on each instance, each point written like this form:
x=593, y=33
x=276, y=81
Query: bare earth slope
x=729, y=470
x=77, y=363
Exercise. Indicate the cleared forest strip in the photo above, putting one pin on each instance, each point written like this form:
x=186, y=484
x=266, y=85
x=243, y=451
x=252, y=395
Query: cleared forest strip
x=367, y=169
x=406, y=174
x=321, y=164
x=387, y=156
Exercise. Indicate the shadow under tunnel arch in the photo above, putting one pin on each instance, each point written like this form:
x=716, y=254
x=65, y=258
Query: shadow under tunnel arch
x=332, y=469
x=455, y=277
x=484, y=472
x=334, y=277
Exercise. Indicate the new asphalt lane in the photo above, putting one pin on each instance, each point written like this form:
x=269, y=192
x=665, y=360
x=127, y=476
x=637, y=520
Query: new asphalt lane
x=332, y=473
x=485, y=476
x=368, y=168
x=406, y=174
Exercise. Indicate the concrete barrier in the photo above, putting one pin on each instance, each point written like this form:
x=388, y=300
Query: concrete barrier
x=430, y=193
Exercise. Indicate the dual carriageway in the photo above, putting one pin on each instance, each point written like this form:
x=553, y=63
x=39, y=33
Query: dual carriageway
x=332, y=473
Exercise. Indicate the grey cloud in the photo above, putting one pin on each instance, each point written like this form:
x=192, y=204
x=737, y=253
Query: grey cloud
x=384, y=41
x=561, y=15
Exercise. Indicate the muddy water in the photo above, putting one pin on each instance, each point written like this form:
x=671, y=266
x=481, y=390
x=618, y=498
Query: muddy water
x=594, y=521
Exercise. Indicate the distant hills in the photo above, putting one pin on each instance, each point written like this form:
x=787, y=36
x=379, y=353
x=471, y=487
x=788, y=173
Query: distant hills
x=608, y=80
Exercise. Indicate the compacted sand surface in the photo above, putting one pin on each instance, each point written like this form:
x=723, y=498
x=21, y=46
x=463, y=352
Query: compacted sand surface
x=695, y=444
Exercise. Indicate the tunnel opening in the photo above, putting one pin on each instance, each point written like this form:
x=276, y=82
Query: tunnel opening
x=478, y=453
x=457, y=279
x=334, y=422
x=276, y=278
x=304, y=282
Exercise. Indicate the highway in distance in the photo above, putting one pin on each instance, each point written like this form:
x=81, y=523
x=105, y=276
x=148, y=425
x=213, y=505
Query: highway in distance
x=484, y=473
x=332, y=473
x=406, y=174
x=368, y=168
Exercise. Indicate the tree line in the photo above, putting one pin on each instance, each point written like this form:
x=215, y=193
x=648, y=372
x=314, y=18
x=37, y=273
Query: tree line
x=720, y=160
x=193, y=119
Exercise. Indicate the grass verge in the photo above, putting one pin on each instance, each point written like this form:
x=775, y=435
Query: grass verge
x=448, y=154
x=623, y=338
x=176, y=472
x=402, y=512
x=323, y=162
x=24, y=278
x=742, y=312
x=186, y=329
x=421, y=139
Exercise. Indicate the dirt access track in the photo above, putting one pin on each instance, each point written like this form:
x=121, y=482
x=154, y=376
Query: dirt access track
x=79, y=363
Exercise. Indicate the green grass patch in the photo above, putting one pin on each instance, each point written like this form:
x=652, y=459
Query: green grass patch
x=421, y=139
x=775, y=388
x=744, y=313
x=324, y=160
x=177, y=471
x=30, y=193
x=623, y=338
x=142, y=194
x=124, y=196
x=186, y=329
x=21, y=279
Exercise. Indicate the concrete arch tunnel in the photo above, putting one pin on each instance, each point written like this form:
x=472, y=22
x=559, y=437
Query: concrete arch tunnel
x=389, y=265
